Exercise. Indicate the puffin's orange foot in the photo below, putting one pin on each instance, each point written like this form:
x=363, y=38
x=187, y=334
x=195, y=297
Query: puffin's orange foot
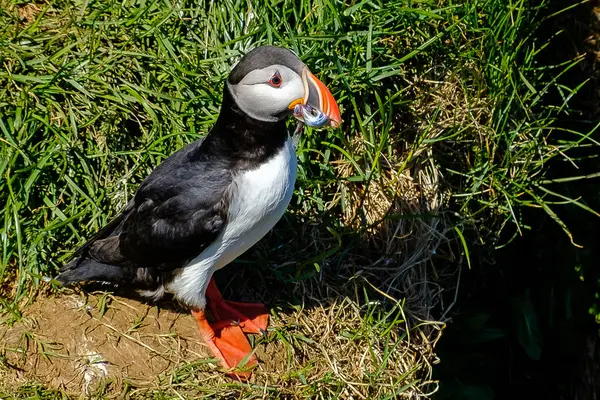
x=225, y=336
x=250, y=317
x=229, y=345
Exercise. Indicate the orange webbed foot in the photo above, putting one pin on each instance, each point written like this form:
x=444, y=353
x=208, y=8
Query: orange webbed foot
x=226, y=335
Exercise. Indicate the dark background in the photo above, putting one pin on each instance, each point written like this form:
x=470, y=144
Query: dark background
x=525, y=324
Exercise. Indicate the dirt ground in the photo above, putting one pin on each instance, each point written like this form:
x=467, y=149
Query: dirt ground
x=86, y=343
x=77, y=341
x=72, y=341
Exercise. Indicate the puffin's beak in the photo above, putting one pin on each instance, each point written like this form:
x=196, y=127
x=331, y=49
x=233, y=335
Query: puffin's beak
x=319, y=97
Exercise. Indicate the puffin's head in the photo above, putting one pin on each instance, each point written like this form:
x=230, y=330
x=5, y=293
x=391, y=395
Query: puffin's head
x=269, y=82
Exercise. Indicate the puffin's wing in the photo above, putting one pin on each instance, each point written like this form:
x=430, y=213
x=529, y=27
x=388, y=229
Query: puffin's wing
x=174, y=221
x=176, y=213
x=106, y=231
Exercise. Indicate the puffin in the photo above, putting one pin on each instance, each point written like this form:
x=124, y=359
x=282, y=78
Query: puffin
x=210, y=201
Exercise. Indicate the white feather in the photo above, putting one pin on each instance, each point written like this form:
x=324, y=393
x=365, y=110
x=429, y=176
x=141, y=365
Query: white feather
x=259, y=199
x=260, y=100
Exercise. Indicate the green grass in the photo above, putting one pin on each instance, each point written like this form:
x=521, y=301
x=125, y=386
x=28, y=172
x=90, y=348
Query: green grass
x=447, y=135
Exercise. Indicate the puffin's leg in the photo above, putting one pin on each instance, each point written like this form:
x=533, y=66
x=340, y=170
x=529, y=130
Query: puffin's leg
x=251, y=317
x=228, y=344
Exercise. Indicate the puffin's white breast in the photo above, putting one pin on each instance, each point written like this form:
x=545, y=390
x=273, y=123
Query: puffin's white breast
x=259, y=198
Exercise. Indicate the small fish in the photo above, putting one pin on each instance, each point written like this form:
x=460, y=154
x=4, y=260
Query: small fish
x=310, y=116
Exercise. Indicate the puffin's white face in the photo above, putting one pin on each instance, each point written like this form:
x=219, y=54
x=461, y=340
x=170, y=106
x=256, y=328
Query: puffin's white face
x=269, y=82
x=269, y=94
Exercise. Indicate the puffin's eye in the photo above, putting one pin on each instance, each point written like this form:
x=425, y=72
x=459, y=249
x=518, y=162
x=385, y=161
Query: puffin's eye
x=276, y=80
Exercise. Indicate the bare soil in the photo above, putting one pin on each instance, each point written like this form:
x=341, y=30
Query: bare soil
x=73, y=341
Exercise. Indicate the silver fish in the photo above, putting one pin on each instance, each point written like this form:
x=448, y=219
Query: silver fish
x=310, y=116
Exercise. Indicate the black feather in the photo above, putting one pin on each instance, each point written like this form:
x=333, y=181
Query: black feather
x=86, y=269
x=263, y=57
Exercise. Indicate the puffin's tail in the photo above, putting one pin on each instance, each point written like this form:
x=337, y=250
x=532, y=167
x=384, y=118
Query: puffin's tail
x=86, y=269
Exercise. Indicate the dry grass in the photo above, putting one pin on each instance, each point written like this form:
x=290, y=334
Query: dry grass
x=401, y=213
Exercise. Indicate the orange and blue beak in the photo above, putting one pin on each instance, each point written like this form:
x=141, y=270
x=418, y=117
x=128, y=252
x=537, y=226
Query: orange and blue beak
x=318, y=96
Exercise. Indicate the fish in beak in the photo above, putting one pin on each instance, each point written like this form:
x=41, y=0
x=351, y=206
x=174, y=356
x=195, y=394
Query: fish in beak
x=318, y=107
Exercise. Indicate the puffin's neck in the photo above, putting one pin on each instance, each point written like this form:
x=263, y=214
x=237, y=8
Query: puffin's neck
x=243, y=139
